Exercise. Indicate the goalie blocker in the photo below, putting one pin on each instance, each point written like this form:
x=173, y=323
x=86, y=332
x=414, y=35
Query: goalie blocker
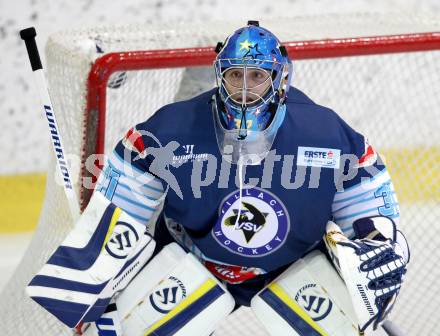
x=98, y=258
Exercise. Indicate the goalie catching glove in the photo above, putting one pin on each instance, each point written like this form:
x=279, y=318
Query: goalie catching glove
x=372, y=266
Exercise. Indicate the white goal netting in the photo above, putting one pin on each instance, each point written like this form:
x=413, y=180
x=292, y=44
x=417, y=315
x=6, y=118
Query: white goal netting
x=392, y=98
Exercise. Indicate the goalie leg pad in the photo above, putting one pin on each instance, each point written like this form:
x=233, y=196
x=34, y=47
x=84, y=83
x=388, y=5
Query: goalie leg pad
x=173, y=295
x=309, y=298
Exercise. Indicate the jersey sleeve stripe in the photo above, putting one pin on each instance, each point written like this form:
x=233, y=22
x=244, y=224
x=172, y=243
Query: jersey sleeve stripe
x=346, y=199
x=142, y=176
x=355, y=214
x=372, y=183
x=130, y=204
x=127, y=193
x=146, y=190
x=372, y=200
x=135, y=191
x=142, y=219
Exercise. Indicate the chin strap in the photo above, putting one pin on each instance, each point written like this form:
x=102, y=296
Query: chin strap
x=242, y=134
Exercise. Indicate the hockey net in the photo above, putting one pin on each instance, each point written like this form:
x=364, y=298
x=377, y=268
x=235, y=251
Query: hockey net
x=388, y=89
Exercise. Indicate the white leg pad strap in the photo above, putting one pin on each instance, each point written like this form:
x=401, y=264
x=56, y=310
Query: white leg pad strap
x=173, y=295
x=309, y=298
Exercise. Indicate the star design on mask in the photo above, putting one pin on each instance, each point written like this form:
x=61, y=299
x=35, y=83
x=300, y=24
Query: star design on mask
x=253, y=52
x=245, y=45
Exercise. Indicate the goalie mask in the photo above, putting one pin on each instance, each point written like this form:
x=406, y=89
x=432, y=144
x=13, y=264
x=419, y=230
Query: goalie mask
x=253, y=73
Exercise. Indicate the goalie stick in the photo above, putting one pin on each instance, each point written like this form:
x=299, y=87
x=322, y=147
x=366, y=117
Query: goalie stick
x=28, y=35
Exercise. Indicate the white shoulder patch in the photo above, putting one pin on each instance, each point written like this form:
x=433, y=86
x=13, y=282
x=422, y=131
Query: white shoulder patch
x=319, y=157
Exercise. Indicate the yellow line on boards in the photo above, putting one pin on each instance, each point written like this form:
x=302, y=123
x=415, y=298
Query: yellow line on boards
x=415, y=173
x=21, y=200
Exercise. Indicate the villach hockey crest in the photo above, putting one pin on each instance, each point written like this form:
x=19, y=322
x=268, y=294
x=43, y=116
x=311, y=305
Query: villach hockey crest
x=260, y=228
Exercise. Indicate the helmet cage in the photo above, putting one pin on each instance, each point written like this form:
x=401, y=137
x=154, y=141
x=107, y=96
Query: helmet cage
x=246, y=91
x=274, y=68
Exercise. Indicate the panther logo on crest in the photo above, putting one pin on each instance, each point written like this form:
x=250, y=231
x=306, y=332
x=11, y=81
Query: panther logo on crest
x=255, y=224
x=250, y=220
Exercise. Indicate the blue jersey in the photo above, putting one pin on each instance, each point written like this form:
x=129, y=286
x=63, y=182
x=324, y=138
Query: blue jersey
x=319, y=169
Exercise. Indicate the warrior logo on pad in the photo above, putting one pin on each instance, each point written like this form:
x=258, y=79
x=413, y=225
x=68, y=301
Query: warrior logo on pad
x=167, y=295
x=123, y=238
x=255, y=225
x=315, y=301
